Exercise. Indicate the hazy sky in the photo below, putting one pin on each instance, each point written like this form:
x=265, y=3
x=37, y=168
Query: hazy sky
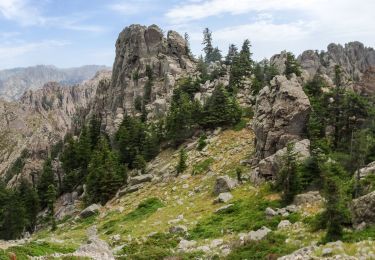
x=70, y=33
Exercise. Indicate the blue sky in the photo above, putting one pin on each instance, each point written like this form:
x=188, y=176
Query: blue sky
x=69, y=33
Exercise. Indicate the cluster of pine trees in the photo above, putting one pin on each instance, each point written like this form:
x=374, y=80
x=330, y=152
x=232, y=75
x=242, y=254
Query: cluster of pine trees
x=341, y=129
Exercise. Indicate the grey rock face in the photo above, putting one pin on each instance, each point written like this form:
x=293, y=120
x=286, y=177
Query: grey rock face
x=368, y=170
x=224, y=184
x=136, y=48
x=224, y=208
x=90, y=211
x=281, y=115
x=178, y=229
x=95, y=248
x=40, y=119
x=308, y=198
x=271, y=165
x=14, y=82
x=255, y=235
x=140, y=179
x=363, y=209
x=353, y=58
x=130, y=189
x=223, y=197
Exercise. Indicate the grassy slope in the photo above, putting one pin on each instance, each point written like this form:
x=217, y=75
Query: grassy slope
x=148, y=211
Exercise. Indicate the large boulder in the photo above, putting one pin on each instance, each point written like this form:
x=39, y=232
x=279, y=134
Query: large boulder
x=140, y=179
x=368, y=170
x=363, y=209
x=95, y=248
x=310, y=197
x=281, y=115
x=223, y=197
x=224, y=184
x=271, y=165
x=90, y=211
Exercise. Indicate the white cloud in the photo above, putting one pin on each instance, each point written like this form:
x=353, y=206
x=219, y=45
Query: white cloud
x=195, y=11
x=275, y=25
x=20, y=11
x=28, y=14
x=132, y=7
x=12, y=51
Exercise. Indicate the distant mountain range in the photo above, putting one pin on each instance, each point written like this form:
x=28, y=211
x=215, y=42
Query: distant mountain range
x=14, y=82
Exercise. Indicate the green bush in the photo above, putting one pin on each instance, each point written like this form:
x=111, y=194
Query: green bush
x=202, y=166
x=202, y=142
x=356, y=236
x=273, y=244
x=244, y=215
x=26, y=251
x=157, y=246
x=240, y=125
x=144, y=209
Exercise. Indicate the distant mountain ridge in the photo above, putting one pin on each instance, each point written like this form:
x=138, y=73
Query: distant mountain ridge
x=14, y=82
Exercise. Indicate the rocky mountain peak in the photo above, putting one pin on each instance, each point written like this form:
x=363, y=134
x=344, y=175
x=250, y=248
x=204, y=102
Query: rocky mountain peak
x=353, y=58
x=137, y=48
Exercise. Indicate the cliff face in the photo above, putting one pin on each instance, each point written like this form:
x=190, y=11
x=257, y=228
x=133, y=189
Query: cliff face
x=40, y=119
x=14, y=82
x=353, y=58
x=137, y=47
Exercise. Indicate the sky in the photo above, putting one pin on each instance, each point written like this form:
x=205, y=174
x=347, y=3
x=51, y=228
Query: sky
x=71, y=33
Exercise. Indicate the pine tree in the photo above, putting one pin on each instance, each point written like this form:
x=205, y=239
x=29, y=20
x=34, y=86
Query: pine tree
x=291, y=65
x=180, y=118
x=232, y=53
x=51, y=199
x=181, y=166
x=220, y=109
x=105, y=174
x=140, y=163
x=187, y=45
x=31, y=203
x=84, y=152
x=94, y=130
x=334, y=213
x=288, y=177
x=241, y=67
x=47, y=178
x=13, y=216
x=202, y=68
x=148, y=85
x=207, y=42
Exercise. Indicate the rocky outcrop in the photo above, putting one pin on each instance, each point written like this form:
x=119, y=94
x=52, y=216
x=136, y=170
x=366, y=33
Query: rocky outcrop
x=368, y=170
x=224, y=184
x=90, y=211
x=136, y=48
x=14, y=82
x=271, y=165
x=95, y=248
x=281, y=115
x=366, y=86
x=353, y=58
x=363, y=209
x=310, y=197
x=39, y=120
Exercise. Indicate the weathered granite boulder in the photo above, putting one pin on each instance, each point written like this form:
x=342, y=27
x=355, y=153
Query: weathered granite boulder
x=140, y=179
x=308, y=198
x=281, y=115
x=270, y=166
x=223, y=197
x=90, y=211
x=363, y=209
x=224, y=184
